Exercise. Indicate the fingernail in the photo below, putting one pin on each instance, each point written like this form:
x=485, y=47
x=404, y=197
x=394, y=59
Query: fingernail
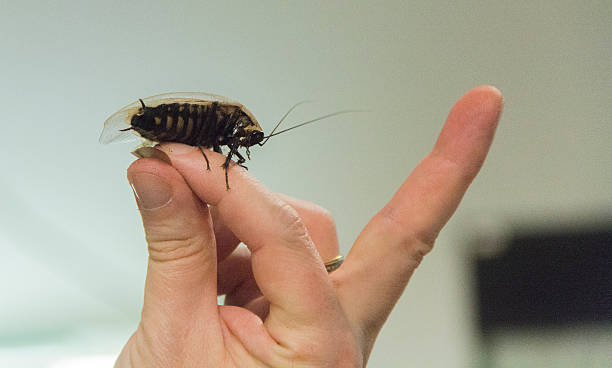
x=151, y=191
x=151, y=152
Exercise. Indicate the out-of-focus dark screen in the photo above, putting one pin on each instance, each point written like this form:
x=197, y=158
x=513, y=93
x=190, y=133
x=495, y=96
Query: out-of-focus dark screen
x=546, y=279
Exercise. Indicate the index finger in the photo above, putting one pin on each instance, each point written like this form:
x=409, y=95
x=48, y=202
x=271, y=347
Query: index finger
x=396, y=239
x=285, y=262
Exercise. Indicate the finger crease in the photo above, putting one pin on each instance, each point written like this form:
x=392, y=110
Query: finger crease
x=174, y=253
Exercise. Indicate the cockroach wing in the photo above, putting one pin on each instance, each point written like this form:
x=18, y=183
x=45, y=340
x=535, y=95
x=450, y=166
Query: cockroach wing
x=117, y=126
x=185, y=97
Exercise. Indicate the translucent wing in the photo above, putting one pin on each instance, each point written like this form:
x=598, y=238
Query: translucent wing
x=194, y=97
x=115, y=126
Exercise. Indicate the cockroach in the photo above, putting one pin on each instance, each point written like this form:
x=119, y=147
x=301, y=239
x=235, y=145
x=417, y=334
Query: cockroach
x=198, y=119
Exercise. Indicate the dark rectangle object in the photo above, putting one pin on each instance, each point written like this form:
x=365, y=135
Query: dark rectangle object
x=547, y=279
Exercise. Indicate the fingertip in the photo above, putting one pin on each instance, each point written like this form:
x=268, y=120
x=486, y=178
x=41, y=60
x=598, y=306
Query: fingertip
x=150, y=166
x=489, y=89
x=493, y=95
x=153, y=181
x=470, y=128
x=478, y=110
x=486, y=100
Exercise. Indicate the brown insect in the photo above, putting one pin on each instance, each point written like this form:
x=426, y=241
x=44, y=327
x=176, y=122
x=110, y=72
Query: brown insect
x=197, y=119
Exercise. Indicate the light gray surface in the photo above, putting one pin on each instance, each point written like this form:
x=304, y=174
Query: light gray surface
x=73, y=250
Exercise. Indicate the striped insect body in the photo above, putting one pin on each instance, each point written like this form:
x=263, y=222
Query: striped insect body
x=197, y=119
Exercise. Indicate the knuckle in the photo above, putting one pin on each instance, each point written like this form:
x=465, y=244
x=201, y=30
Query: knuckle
x=412, y=245
x=390, y=217
x=293, y=226
x=324, y=217
x=165, y=249
x=413, y=249
x=311, y=213
x=322, y=212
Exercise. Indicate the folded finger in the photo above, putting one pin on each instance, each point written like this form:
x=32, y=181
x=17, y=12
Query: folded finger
x=226, y=240
x=318, y=221
x=284, y=260
x=320, y=225
x=233, y=270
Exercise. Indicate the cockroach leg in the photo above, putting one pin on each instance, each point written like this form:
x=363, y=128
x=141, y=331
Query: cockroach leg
x=233, y=151
x=206, y=158
x=226, y=180
x=225, y=166
x=228, y=159
x=241, y=160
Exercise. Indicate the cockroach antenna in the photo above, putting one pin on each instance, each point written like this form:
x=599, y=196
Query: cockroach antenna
x=283, y=118
x=142, y=103
x=273, y=133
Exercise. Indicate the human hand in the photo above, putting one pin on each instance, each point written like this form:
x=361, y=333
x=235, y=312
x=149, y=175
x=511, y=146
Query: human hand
x=283, y=309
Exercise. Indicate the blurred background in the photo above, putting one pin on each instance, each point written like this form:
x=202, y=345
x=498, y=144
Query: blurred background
x=520, y=277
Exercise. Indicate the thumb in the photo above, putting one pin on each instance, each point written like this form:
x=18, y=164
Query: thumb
x=182, y=267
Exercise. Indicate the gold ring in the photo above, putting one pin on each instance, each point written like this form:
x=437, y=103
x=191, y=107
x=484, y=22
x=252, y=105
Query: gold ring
x=333, y=265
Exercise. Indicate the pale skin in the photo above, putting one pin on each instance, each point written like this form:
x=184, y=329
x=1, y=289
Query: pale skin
x=282, y=308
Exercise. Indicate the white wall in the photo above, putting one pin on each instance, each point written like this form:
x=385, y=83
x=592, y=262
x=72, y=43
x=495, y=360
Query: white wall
x=73, y=251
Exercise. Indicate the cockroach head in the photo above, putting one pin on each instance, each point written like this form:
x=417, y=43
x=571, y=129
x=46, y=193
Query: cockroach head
x=252, y=138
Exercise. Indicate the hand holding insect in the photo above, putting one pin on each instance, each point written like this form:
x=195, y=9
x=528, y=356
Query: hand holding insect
x=283, y=308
